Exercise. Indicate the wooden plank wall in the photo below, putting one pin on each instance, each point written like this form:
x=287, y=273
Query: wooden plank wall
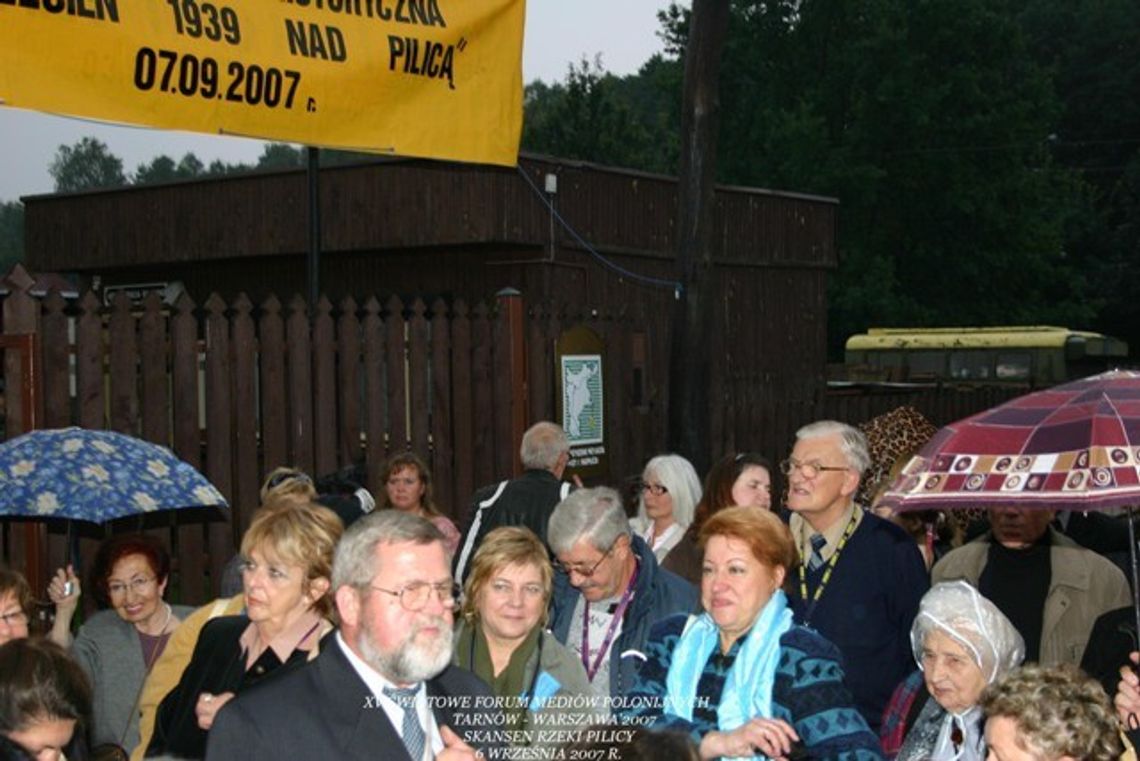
x=236, y=389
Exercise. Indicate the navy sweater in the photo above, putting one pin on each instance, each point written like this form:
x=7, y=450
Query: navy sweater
x=808, y=693
x=867, y=610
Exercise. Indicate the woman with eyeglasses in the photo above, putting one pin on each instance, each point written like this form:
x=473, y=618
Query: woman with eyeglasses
x=15, y=605
x=670, y=490
x=501, y=638
x=287, y=563
x=117, y=646
x=407, y=487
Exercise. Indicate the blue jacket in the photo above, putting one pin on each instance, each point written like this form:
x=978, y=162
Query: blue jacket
x=657, y=595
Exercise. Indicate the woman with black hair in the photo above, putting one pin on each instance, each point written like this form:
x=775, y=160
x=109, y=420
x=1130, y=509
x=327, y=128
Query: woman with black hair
x=45, y=701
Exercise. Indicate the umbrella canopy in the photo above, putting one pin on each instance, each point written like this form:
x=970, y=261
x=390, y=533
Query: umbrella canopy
x=95, y=476
x=1071, y=447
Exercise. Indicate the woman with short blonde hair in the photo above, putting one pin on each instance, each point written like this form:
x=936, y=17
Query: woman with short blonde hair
x=287, y=555
x=1053, y=714
x=501, y=637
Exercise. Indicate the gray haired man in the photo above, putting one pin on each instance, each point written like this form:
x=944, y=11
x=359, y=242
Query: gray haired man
x=860, y=577
x=384, y=686
x=610, y=590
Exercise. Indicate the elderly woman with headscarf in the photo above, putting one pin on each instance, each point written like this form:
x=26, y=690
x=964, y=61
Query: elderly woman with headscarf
x=670, y=490
x=741, y=678
x=287, y=554
x=962, y=643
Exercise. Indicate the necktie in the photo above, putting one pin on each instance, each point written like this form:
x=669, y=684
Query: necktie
x=817, y=545
x=412, y=732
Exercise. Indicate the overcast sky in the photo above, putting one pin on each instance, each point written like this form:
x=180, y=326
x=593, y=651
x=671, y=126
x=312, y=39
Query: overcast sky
x=558, y=32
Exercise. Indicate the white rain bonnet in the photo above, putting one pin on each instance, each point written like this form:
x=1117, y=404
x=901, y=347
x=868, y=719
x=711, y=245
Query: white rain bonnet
x=960, y=612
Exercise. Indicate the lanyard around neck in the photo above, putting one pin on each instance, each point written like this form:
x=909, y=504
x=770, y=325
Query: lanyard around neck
x=611, y=630
x=827, y=569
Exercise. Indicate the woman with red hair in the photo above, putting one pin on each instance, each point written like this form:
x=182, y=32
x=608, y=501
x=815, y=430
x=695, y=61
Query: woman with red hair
x=117, y=646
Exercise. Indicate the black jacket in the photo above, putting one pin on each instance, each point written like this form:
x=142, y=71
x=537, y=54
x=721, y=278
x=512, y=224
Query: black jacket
x=525, y=501
x=217, y=665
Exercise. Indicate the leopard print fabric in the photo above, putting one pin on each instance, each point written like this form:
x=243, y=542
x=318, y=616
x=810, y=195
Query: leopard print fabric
x=892, y=436
x=892, y=439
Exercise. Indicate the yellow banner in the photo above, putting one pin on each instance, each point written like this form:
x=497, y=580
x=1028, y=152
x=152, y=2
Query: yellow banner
x=433, y=78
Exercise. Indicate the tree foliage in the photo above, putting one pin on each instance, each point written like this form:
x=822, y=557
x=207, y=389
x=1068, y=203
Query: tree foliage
x=984, y=153
x=87, y=165
x=598, y=117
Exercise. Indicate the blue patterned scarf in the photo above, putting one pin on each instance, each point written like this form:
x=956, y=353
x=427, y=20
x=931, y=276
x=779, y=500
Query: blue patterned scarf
x=748, y=686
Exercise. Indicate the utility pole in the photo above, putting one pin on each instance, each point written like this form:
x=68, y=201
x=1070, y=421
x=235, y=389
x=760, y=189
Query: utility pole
x=689, y=358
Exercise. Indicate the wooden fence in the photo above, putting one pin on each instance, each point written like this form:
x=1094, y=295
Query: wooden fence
x=237, y=389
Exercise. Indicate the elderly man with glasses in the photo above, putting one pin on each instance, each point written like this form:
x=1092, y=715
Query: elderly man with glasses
x=384, y=687
x=860, y=577
x=609, y=590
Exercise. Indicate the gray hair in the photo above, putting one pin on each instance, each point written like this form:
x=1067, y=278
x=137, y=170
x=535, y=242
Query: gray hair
x=678, y=476
x=852, y=442
x=596, y=515
x=542, y=445
x=959, y=611
x=355, y=561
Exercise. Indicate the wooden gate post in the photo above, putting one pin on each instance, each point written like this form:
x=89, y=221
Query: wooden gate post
x=511, y=304
x=21, y=373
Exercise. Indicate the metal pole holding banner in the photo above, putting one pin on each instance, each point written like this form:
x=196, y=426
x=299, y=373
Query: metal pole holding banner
x=314, y=257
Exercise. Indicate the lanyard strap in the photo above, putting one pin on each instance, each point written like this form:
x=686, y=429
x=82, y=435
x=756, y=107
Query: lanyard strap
x=827, y=569
x=611, y=630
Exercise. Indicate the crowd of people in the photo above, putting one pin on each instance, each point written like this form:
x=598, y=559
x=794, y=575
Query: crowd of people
x=703, y=619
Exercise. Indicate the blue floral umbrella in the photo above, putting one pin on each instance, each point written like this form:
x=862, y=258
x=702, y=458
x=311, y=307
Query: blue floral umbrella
x=95, y=476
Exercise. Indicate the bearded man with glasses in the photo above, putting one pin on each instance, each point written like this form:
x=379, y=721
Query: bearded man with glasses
x=860, y=577
x=609, y=590
x=384, y=688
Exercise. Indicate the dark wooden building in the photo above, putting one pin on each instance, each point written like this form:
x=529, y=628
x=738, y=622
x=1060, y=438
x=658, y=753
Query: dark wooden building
x=441, y=230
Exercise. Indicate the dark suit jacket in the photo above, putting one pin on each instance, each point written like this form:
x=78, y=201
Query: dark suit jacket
x=324, y=710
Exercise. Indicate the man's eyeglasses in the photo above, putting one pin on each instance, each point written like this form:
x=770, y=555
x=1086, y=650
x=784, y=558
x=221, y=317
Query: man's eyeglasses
x=14, y=619
x=415, y=596
x=809, y=469
x=588, y=572
x=655, y=489
x=137, y=585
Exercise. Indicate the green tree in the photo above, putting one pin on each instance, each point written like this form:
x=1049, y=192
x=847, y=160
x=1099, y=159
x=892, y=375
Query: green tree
x=87, y=165
x=586, y=118
x=1091, y=50
x=159, y=169
x=11, y=234
x=280, y=156
x=163, y=169
x=929, y=122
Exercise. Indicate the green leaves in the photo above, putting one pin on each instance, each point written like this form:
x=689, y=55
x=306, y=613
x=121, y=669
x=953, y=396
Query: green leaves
x=943, y=126
x=87, y=165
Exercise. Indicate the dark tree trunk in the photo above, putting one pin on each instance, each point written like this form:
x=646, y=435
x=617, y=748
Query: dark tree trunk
x=689, y=354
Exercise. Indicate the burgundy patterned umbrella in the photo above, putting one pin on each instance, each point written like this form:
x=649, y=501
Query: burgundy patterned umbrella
x=1070, y=447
